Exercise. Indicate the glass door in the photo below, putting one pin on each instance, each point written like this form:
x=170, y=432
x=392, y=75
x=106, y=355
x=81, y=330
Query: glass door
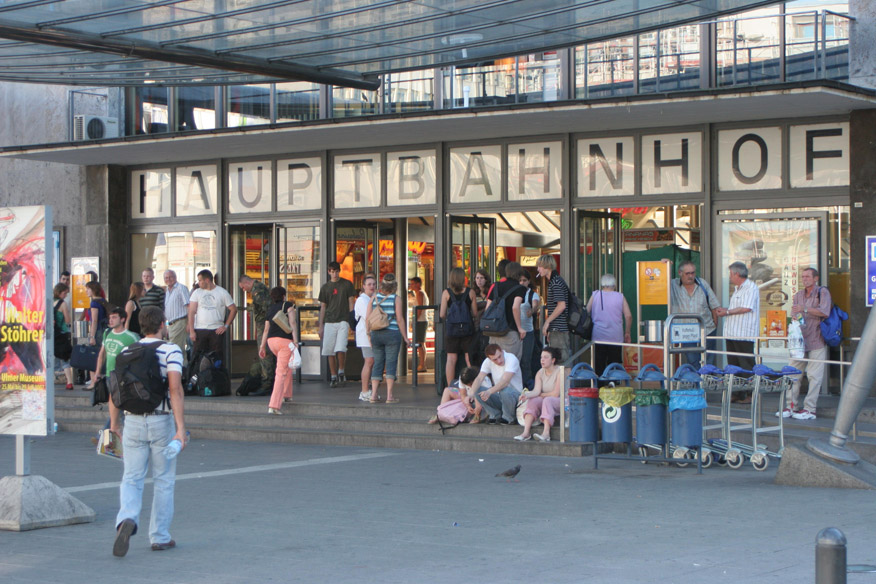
x=357, y=246
x=599, y=250
x=250, y=255
x=473, y=245
x=299, y=271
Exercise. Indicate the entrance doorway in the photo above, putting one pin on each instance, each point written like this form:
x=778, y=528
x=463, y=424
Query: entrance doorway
x=284, y=255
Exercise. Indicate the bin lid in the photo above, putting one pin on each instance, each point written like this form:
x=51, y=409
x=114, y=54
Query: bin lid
x=650, y=372
x=615, y=372
x=583, y=371
x=686, y=373
x=592, y=392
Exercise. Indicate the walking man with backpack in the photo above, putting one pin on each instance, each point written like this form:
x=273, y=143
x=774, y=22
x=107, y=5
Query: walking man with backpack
x=459, y=312
x=556, y=323
x=148, y=430
x=811, y=305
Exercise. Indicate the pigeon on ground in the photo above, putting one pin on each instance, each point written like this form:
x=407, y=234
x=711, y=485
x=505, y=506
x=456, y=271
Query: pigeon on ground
x=510, y=473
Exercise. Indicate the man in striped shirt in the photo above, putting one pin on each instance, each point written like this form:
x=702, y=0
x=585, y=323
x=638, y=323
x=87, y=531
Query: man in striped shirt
x=743, y=321
x=556, y=324
x=154, y=294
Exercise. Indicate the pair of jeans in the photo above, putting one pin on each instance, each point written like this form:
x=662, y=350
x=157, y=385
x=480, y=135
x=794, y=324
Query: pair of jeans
x=695, y=358
x=502, y=404
x=143, y=440
x=526, y=358
x=385, y=344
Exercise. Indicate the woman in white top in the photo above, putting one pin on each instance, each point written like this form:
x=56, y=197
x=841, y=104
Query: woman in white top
x=369, y=288
x=543, y=402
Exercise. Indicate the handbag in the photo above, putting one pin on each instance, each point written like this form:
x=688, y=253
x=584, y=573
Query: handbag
x=282, y=320
x=378, y=319
x=100, y=394
x=295, y=359
x=84, y=357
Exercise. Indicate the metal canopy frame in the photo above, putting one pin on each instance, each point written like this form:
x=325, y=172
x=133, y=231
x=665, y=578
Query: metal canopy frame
x=338, y=42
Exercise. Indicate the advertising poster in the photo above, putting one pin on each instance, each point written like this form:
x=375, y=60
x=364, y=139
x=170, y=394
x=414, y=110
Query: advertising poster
x=871, y=269
x=654, y=283
x=79, y=272
x=24, y=304
x=776, y=253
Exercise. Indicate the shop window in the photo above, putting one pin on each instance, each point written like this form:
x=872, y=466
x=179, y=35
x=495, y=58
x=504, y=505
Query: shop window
x=150, y=110
x=185, y=252
x=409, y=91
x=248, y=105
x=348, y=102
x=195, y=108
x=297, y=101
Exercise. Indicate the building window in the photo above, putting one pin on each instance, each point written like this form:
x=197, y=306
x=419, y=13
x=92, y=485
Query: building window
x=195, y=108
x=248, y=105
x=409, y=91
x=298, y=101
x=184, y=252
x=348, y=102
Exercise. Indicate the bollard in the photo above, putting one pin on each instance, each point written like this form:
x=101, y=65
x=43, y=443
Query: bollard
x=830, y=556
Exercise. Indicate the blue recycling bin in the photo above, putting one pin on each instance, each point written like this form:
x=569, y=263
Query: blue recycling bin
x=617, y=407
x=686, y=408
x=583, y=404
x=651, y=407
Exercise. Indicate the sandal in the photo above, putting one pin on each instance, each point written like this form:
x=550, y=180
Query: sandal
x=391, y=400
x=476, y=419
x=374, y=400
x=433, y=420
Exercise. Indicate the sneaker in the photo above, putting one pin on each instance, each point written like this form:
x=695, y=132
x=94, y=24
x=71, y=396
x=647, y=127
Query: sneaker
x=364, y=396
x=804, y=415
x=123, y=537
x=160, y=547
x=342, y=379
x=493, y=421
x=69, y=387
x=333, y=383
x=505, y=422
x=786, y=413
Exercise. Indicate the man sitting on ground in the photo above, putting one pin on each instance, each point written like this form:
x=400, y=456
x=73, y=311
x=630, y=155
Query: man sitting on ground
x=500, y=400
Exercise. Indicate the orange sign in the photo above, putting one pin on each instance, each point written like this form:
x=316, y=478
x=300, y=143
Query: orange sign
x=653, y=283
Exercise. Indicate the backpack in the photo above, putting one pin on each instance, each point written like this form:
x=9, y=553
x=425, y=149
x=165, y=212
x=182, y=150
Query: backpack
x=458, y=322
x=494, y=323
x=208, y=378
x=832, y=326
x=579, y=319
x=62, y=342
x=252, y=381
x=136, y=384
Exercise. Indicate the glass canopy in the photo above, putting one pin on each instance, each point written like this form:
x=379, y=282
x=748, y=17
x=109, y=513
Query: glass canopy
x=340, y=42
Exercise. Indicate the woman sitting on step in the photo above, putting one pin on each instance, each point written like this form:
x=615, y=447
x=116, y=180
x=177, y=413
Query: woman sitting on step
x=543, y=402
x=461, y=389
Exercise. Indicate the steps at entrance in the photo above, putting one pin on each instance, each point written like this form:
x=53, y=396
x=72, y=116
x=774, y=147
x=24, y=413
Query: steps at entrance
x=361, y=425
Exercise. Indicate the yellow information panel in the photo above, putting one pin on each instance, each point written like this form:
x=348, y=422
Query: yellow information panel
x=653, y=283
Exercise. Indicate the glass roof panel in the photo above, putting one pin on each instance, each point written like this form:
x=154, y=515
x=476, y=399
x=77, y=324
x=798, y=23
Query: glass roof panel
x=344, y=42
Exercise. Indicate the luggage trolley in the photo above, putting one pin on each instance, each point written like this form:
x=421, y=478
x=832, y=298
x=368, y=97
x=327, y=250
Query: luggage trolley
x=761, y=380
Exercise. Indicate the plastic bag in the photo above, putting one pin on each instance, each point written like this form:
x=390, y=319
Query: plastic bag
x=687, y=399
x=651, y=397
x=295, y=359
x=795, y=340
x=616, y=397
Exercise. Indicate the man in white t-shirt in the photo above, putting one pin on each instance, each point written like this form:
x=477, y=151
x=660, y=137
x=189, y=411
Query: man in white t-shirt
x=500, y=400
x=211, y=312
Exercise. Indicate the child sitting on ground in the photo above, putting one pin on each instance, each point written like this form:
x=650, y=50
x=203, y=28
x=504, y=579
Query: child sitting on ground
x=461, y=390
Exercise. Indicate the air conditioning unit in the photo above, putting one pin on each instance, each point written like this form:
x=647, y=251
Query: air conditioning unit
x=94, y=128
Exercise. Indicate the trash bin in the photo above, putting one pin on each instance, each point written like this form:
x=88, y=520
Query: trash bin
x=686, y=407
x=584, y=414
x=617, y=408
x=583, y=404
x=651, y=407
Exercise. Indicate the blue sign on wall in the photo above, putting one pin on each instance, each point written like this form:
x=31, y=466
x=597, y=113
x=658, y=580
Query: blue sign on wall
x=871, y=269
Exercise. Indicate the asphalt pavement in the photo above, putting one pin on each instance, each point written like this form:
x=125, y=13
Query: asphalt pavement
x=252, y=512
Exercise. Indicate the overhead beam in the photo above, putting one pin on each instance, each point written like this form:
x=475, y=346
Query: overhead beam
x=184, y=56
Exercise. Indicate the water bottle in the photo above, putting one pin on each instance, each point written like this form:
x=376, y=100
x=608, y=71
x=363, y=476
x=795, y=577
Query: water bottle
x=174, y=448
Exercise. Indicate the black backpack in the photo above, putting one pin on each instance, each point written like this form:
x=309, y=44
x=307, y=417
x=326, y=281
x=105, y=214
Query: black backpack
x=458, y=321
x=494, y=323
x=580, y=322
x=208, y=377
x=136, y=384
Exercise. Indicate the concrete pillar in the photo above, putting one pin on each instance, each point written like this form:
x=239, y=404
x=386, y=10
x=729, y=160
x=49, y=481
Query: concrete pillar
x=862, y=202
x=862, y=51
